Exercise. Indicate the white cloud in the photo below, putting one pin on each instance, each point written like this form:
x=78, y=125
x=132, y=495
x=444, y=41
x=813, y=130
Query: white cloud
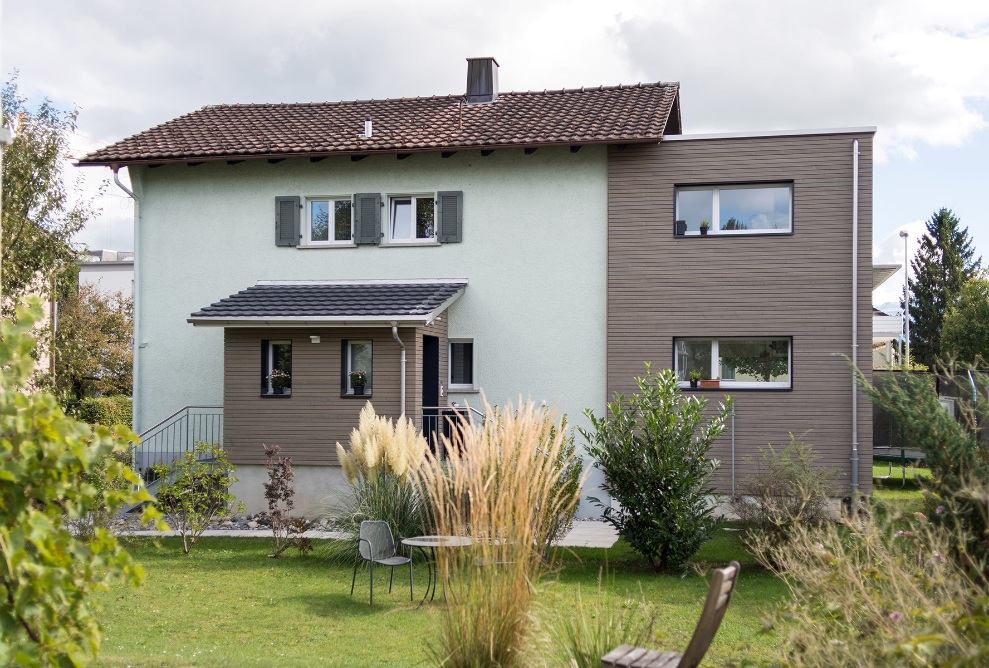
x=890, y=251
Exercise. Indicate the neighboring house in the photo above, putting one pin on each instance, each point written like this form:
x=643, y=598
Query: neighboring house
x=535, y=244
x=886, y=329
x=110, y=271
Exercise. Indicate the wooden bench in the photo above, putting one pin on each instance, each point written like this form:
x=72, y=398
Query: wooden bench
x=718, y=596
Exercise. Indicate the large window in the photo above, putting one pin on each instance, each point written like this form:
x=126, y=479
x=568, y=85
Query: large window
x=411, y=218
x=753, y=363
x=736, y=209
x=461, y=365
x=357, y=362
x=330, y=221
x=276, y=368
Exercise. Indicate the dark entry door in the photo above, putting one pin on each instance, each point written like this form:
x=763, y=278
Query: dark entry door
x=430, y=388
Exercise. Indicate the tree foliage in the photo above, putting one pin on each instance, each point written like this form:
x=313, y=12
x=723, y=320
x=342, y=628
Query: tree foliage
x=943, y=264
x=93, y=352
x=38, y=218
x=653, y=453
x=47, y=460
x=965, y=336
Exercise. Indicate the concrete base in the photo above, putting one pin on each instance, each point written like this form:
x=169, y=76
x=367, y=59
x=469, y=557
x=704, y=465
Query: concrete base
x=315, y=486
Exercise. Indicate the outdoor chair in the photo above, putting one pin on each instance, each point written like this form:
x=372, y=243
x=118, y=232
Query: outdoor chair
x=376, y=545
x=722, y=585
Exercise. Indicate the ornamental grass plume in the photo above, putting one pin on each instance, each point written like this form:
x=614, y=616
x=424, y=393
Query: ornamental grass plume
x=380, y=446
x=499, y=487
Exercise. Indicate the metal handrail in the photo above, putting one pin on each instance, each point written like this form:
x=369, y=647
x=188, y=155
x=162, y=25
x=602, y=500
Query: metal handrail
x=177, y=434
x=181, y=410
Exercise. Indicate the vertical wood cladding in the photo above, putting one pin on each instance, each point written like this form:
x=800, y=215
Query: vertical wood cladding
x=309, y=423
x=799, y=285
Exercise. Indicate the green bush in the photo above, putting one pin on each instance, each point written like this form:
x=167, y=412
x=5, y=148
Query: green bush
x=106, y=411
x=48, y=574
x=568, y=486
x=195, y=490
x=791, y=489
x=653, y=453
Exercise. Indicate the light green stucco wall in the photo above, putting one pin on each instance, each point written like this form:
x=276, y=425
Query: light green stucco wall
x=534, y=250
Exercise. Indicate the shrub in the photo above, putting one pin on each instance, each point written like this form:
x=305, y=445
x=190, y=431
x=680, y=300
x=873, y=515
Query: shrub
x=280, y=494
x=653, y=453
x=570, y=480
x=101, y=515
x=48, y=575
x=865, y=593
x=500, y=486
x=956, y=455
x=106, y=411
x=195, y=491
x=791, y=489
x=383, y=456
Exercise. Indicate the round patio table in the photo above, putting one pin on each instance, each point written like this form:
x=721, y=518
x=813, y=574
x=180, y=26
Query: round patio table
x=433, y=543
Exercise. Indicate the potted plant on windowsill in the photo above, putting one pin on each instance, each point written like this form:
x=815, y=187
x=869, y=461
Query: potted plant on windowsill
x=694, y=377
x=705, y=226
x=279, y=380
x=358, y=379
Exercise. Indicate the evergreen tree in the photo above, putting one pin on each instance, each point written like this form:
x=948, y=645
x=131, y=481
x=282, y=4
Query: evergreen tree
x=942, y=265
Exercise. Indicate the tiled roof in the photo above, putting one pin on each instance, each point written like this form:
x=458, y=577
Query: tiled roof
x=333, y=302
x=603, y=115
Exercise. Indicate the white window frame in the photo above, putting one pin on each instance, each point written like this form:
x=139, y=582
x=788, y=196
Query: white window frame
x=461, y=387
x=715, y=218
x=715, y=371
x=307, y=222
x=348, y=367
x=389, y=222
x=269, y=364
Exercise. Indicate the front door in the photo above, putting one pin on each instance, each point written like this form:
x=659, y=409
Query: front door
x=430, y=389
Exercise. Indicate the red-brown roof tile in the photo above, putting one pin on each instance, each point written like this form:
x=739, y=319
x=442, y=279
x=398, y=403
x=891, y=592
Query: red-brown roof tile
x=614, y=115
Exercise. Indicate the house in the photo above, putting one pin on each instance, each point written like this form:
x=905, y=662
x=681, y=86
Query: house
x=110, y=271
x=886, y=329
x=537, y=244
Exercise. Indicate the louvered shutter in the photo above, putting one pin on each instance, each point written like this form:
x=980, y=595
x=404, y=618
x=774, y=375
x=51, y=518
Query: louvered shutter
x=287, y=220
x=450, y=214
x=367, y=218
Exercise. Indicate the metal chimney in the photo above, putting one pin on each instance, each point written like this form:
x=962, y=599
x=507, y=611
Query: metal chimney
x=482, y=80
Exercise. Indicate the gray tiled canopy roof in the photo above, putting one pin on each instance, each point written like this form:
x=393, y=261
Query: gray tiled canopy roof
x=329, y=302
x=608, y=115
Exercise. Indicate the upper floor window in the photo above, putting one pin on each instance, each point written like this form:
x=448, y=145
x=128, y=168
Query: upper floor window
x=735, y=209
x=411, y=218
x=745, y=363
x=330, y=221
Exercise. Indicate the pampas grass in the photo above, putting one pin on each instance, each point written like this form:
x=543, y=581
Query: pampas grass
x=499, y=486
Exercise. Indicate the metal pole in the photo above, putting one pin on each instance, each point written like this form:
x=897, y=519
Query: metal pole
x=906, y=299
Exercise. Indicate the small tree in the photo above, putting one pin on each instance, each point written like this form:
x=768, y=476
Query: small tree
x=195, y=491
x=653, y=453
x=280, y=494
x=965, y=336
x=48, y=574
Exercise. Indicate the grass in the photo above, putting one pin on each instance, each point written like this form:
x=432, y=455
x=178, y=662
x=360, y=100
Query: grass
x=226, y=604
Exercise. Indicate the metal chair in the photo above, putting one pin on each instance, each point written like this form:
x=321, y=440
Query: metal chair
x=376, y=545
x=722, y=584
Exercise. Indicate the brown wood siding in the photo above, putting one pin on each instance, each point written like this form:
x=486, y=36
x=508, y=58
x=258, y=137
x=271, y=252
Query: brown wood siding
x=799, y=285
x=310, y=422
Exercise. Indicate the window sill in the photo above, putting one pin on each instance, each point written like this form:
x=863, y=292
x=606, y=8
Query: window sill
x=351, y=395
x=749, y=387
x=725, y=234
x=408, y=244
x=271, y=395
x=463, y=389
x=311, y=246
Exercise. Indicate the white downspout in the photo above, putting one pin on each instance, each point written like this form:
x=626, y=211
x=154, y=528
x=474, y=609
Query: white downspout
x=135, y=405
x=394, y=333
x=855, y=325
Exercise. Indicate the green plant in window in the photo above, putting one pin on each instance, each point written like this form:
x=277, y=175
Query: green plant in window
x=705, y=225
x=358, y=378
x=279, y=378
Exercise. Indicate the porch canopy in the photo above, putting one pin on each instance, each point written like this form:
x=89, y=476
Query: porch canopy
x=345, y=303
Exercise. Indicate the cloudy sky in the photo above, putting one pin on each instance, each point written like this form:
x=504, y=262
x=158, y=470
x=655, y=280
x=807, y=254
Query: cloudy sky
x=917, y=70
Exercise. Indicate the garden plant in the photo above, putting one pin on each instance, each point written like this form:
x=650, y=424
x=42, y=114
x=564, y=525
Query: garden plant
x=653, y=453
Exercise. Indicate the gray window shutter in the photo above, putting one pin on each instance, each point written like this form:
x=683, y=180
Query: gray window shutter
x=287, y=220
x=367, y=218
x=450, y=205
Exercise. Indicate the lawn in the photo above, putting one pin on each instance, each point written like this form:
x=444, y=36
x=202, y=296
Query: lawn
x=227, y=604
